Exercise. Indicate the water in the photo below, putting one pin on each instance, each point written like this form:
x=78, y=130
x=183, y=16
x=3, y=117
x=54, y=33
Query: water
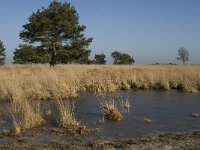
x=171, y=112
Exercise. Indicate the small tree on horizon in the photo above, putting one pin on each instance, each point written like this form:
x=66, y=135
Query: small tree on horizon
x=100, y=58
x=183, y=55
x=2, y=53
x=122, y=58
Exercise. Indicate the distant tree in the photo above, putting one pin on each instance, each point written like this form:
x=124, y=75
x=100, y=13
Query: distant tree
x=100, y=58
x=91, y=62
x=122, y=58
x=2, y=53
x=27, y=54
x=183, y=55
x=54, y=28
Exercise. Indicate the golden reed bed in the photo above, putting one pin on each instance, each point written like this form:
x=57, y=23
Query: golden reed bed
x=21, y=83
x=36, y=82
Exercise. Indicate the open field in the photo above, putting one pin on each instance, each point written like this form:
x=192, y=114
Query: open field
x=33, y=82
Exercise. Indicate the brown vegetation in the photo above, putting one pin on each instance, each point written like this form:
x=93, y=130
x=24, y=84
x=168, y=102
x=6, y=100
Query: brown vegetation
x=114, y=105
x=67, y=81
x=148, y=120
x=24, y=116
x=167, y=141
x=68, y=121
x=125, y=104
x=67, y=118
x=111, y=112
x=22, y=83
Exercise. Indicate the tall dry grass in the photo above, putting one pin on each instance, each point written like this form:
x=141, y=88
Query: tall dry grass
x=24, y=115
x=68, y=120
x=66, y=115
x=67, y=81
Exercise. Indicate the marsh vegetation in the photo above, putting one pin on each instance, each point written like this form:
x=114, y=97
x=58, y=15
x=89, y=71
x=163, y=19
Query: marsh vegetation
x=40, y=82
x=27, y=89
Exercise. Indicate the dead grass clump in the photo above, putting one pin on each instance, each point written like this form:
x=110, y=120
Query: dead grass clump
x=196, y=115
x=113, y=106
x=99, y=144
x=148, y=121
x=126, y=104
x=112, y=113
x=68, y=121
x=24, y=116
x=5, y=133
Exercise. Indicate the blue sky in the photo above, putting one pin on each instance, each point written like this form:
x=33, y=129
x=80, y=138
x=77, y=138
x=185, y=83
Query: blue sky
x=149, y=30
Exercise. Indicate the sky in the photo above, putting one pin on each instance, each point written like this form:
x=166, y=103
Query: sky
x=149, y=30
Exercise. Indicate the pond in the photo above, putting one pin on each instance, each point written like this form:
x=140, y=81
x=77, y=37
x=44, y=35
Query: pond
x=171, y=111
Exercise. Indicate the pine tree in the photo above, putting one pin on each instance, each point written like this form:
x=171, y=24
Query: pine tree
x=55, y=28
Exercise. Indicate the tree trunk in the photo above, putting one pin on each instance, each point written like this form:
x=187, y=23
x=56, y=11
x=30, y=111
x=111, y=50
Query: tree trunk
x=53, y=57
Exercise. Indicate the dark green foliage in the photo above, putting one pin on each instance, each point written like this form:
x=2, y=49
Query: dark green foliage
x=91, y=62
x=56, y=30
x=100, y=58
x=62, y=56
x=183, y=55
x=122, y=58
x=27, y=54
x=2, y=53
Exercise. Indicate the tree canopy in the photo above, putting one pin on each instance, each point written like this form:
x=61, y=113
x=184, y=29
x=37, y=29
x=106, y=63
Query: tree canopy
x=100, y=58
x=27, y=54
x=56, y=31
x=122, y=58
x=183, y=55
x=2, y=53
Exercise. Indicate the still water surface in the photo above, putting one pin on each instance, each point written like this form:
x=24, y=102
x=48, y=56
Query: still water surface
x=171, y=112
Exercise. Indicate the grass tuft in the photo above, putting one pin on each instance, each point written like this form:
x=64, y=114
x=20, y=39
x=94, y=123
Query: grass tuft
x=111, y=106
x=68, y=121
x=24, y=116
x=148, y=121
x=112, y=113
x=196, y=115
x=126, y=104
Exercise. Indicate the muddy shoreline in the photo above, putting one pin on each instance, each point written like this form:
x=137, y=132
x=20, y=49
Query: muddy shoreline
x=190, y=140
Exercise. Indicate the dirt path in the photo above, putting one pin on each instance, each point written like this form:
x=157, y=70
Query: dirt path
x=162, y=142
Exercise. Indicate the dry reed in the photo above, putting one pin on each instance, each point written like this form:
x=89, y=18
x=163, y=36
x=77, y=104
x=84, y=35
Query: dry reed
x=66, y=114
x=111, y=106
x=24, y=116
x=67, y=120
x=126, y=104
x=112, y=112
x=148, y=120
x=67, y=81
